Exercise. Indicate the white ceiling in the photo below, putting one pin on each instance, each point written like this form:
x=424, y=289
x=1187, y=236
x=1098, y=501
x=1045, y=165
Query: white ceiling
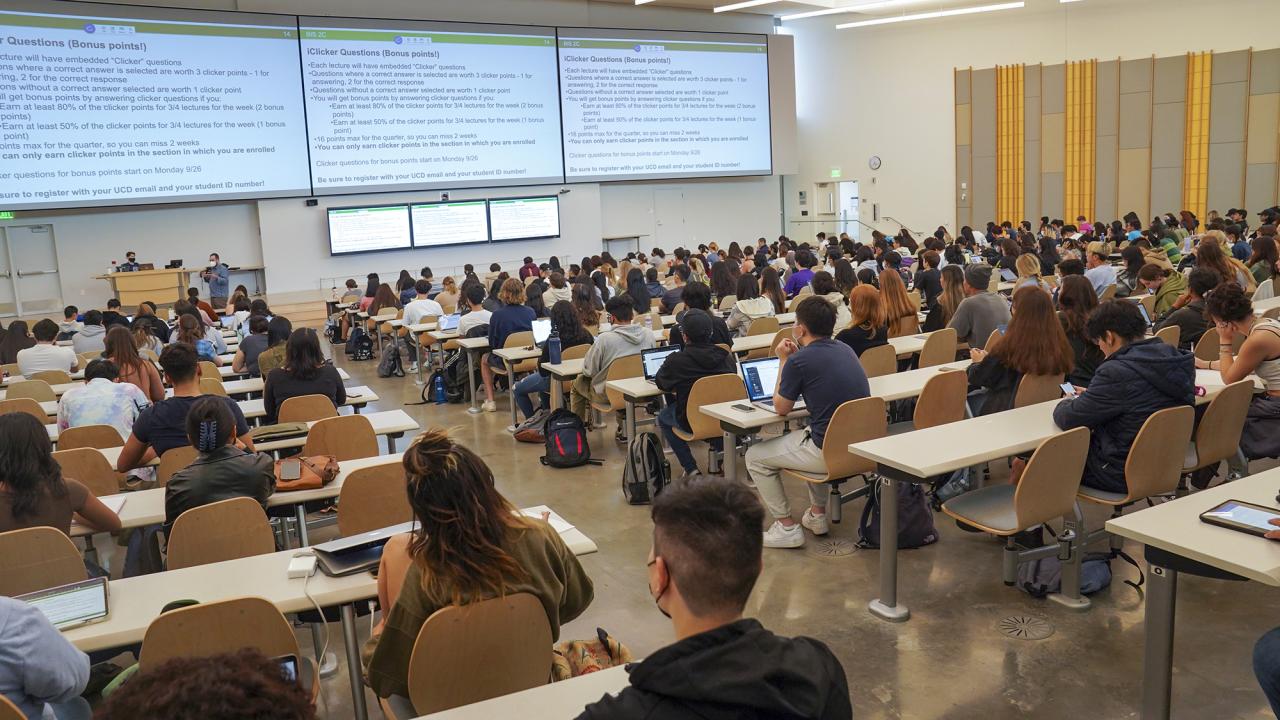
x=787, y=7
x=777, y=8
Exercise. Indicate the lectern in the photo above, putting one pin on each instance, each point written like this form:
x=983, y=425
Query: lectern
x=162, y=287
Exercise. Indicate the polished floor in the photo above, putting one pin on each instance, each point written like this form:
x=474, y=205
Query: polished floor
x=949, y=661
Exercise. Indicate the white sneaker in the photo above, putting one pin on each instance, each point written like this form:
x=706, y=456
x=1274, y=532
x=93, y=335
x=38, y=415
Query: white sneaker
x=488, y=406
x=413, y=368
x=780, y=536
x=817, y=524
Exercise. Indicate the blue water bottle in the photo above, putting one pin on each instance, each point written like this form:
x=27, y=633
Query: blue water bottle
x=553, y=346
x=438, y=390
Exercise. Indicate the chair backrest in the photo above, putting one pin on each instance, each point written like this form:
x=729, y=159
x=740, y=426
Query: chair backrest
x=1218, y=434
x=9, y=711
x=727, y=302
x=764, y=326
x=1155, y=458
x=1272, y=313
x=87, y=357
x=577, y=352
x=914, y=297
x=173, y=460
x=524, y=338
x=224, y=530
x=306, y=408
x=53, y=377
x=679, y=308
x=1171, y=335
x=218, y=627
x=465, y=654
x=880, y=360
x=854, y=421
x=89, y=436
x=37, y=390
x=209, y=370
x=372, y=498
x=347, y=437
x=10, y=369
x=37, y=558
x=709, y=391
x=90, y=467
x=1108, y=293
x=1265, y=291
x=939, y=348
x=778, y=337
x=942, y=400
x=992, y=339
x=1207, y=345
x=212, y=386
x=909, y=325
x=795, y=301
x=627, y=366
x=1149, y=303
x=1051, y=479
x=30, y=407
x=1034, y=389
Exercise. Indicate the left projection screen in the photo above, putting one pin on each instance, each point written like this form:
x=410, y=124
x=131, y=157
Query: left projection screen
x=116, y=105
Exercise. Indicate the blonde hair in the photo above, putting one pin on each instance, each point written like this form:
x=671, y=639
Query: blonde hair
x=511, y=292
x=1028, y=265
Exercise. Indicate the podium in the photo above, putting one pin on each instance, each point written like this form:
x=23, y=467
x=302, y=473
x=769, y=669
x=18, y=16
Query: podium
x=163, y=287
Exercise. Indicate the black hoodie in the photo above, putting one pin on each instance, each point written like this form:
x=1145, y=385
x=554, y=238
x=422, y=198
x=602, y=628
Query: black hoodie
x=682, y=369
x=736, y=672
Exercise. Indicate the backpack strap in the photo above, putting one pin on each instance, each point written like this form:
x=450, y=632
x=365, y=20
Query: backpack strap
x=1142, y=578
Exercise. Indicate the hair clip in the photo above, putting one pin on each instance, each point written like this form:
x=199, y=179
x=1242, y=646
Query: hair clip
x=208, y=437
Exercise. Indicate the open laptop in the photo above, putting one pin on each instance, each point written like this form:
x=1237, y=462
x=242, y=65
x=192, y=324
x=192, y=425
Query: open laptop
x=449, y=322
x=1142, y=309
x=1008, y=275
x=358, y=553
x=541, y=331
x=651, y=360
x=227, y=321
x=761, y=378
x=68, y=606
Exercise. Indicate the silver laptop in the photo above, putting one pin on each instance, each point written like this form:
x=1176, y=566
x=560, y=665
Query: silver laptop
x=761, y=378
x=358, y=553
x=68, y=606
x=651, y=360
x=449, y=322
x=1008, y=275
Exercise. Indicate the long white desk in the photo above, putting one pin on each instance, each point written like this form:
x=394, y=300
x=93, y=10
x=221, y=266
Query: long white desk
x=390, y=423
x=555, y=701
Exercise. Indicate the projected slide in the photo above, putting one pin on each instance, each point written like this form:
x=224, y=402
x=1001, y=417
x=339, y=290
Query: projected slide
x=116, y=106
x=368, y=229
x=393, y=105
x=450, y=223
x=524, y=218
x=644, y=104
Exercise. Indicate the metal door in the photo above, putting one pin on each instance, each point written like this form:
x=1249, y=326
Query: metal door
x=32, y=257
x=668, y=219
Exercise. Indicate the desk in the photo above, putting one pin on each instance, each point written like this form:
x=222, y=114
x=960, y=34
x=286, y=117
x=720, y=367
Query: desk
x=1261, y=306
x=390, y=423
x=1176, y=541
x=561, y=373
x=471, y=346
x=554, y=701
x=358, y=396
x=510, y=358
x=635, y=391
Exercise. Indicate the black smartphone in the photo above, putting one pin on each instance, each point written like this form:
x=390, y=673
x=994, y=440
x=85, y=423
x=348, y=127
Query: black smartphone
x=744, y=408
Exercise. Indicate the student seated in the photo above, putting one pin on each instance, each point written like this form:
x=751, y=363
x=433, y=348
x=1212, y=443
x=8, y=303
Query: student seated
x=558, y=291
x=824, y=374
x=251, y=347
x=622, y=339
x=699, y=358
x=1166, y=285
x=674, y=295
x=803, y=275
x=33, y=492
x=474, y=315
x=146, y=317
x=163, y=426
x=1139, y=377
x=46, y=354
x=469, y=545
x=305, y=372
x=113, y=316
x=278, y=331
x=824, y=286
x=1188, y=313
x=572, y=334
x=721, y=665
x=70, y=324
x=104, y=399
x=928, y=279
x=228, y=686
x=1232, y=314
x=512, y=317
x=191, y=332
x=867, y=327
x=1076, y=301
x=40, y=670
x=91, y=335
x=656, y=289
x=415, y=311
x=697, y=296
x=240, y=311
x=223, y=470
x=952, y=278
x=1033, y=344
x=133, y=369
x=981, y=311
x=751, y=305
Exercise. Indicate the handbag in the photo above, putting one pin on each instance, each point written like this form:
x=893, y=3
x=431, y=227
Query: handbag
x=314, y=473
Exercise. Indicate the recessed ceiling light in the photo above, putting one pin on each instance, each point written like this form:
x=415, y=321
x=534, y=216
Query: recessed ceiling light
x=930, y=15
x=878, y=5
x=743, y=5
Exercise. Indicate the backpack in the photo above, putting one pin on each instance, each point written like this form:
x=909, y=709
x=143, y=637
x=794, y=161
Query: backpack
x=359, y=344
x=333, y=332
x=647, y=470
x=390, y=365
x=531, y=430
x=565, y=439
x=915, y=519
x=1039, y=578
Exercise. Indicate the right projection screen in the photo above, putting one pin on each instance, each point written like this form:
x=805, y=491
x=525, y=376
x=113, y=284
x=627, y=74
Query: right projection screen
x=640, y=104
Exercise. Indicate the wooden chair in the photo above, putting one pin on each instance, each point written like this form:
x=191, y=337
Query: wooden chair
x=209, y=370
x=37, y=390
x=53, y=377
x=1149, y=304
x=778, y=337
x=37, y=558
x=1217, y=437
x=87, y=357
x=224, y=530
x=709, y=391
x=516, y=340
x=1265, y=291
x=90, y=467
x=1272, y=314
x=941, y=401
x=1171, y=335
x=174, y=460
x=679, y=308
x=9, y=711
x=879, y=361
x=577, y=352
x=1034, y=389
x=1108, y=293
x=465, y=654
x=373, y=498
x=89, y=436
x=628, y=366
x=909, y=325
x=218, y=627
x=727, y=302
x=795, y=301
x=939, y=348
x=212, y=386
x=30, y=407
x=10, y=369
x=306, y=408
x=992, y=339
x=1207, y=345
x=347, y=437
x=764, y=326
x=854, y=421
x=914, y=297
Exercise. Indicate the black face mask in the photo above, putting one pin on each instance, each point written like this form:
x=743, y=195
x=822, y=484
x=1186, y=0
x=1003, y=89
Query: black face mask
x=659, y=596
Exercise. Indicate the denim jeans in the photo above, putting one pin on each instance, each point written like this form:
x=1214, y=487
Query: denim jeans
x=534, y=383
x=1266, y=666
x=667, y=419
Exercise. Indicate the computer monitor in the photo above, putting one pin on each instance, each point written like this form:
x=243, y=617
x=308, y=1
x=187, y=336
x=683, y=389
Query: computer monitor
x=760, y=377
x=651, y=360
x=541, y=330
x=68, y=606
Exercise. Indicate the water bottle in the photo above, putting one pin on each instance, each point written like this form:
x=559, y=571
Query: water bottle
x=113, y=267
x=648, y=321
x=438, y=390
x=553, y=347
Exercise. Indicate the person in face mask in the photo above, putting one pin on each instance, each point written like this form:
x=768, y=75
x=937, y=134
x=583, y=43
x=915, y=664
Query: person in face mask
x=722, y=665
x=130, y=262
x=218, y=276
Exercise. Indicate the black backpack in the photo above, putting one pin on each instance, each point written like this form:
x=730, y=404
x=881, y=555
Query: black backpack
x=566, y=441
x=915, y=519
x=390, y=364
x=359, y=344
x=647, y=470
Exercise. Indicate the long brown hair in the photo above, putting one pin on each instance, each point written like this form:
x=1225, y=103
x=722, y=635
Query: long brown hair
x=865, y=309
x=384, y=298
x=464, y=523
x=1034, y=343
x=190, y=330
x=121, y=349
x=1212, y=253
x=952, y=291
x=1076, y=299
x=771, y=287
x=895, y=301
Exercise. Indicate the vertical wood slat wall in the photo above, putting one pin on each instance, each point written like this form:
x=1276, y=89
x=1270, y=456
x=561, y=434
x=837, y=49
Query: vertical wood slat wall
x=1195, y=157
x=1078, y=195
x=1010, y=143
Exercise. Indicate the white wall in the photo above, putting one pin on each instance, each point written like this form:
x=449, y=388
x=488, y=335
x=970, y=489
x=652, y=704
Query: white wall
x=889, y=90
x=740, y=209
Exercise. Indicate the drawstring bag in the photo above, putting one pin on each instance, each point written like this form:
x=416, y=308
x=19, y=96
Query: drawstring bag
x=573, y=658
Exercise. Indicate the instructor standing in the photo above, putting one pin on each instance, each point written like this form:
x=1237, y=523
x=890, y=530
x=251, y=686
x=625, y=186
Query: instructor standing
x=217, y=276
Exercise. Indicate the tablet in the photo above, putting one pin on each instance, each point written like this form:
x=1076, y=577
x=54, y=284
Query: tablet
x=69, y=606
x=1242, y=516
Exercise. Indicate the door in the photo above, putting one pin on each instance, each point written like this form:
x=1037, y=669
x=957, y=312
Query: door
x=33, y=259
x=8, y=300
x=849, y=209
x=668, y=219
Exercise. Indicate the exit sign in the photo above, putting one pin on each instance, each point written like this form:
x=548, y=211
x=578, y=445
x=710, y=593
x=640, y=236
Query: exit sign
x=6, y=215
x=835, y=172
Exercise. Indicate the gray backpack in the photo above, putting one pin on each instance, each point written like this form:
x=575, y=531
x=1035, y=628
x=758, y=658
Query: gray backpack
x=1039, y=578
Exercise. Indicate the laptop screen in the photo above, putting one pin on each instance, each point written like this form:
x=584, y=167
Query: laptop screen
x=761, y=378
x=653, y=358
x=227, y=321
x=73, y=604
x=1008, y=275
x=1145, y=317
x=449, y=322
x=541, y=330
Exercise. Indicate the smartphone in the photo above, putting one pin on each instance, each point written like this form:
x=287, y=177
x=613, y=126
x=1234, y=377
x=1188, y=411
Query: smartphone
x=1069, y=389
x=744, y=408
x=1243, y=517
x=290, y=469
x=288, y=667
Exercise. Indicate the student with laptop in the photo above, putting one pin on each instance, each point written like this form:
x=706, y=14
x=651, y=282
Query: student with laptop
x=621, y=340
x=39, y=668
x=823, y=373
x=698, y=358
x=564, y=320
x=721, y=665
x=475, y=315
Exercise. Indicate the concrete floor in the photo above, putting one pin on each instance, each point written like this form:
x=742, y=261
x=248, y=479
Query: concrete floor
x=949, y=661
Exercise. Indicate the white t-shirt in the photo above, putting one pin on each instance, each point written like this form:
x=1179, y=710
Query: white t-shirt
x=475, y=318
x=420, y=308
x=41, y=357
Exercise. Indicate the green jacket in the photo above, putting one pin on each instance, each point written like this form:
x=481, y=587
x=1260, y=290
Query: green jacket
x=1174, y=286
